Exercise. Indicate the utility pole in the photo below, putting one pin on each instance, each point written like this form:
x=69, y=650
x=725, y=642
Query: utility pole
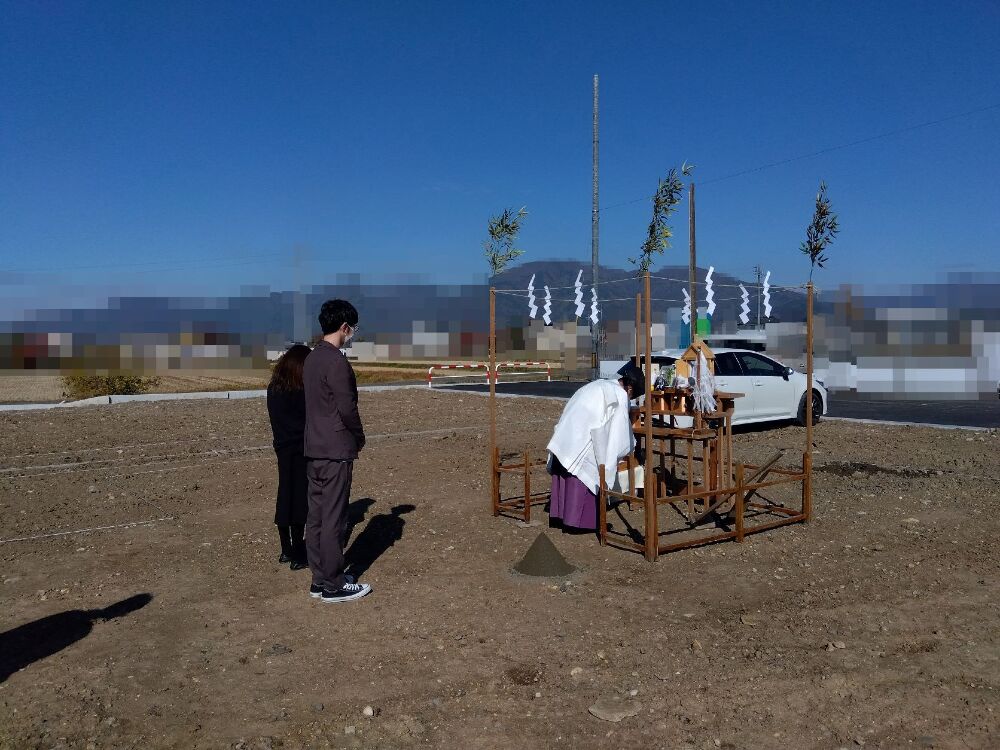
x=594, y=232
x=300, y=324
x=758, y=271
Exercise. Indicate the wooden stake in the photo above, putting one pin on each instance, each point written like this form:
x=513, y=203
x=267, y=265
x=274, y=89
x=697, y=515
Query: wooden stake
x=527, y=486
x=729, y=447
x=663, y=472
x=649, y=488
x=595, y=222
x=690, y=476
x=809, y=365
x=602, y=505
x=491, y=376
x=807, y=502
x=638, y=328
x=739, y=502
x=673, y=454
x=807, y=460
x=496, y=480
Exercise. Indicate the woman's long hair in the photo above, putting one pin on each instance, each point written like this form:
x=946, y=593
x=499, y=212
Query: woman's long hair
x=287, y=375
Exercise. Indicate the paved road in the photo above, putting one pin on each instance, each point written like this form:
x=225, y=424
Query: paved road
x=963, y=413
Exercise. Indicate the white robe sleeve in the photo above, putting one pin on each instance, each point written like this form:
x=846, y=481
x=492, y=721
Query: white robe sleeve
x=613, y=440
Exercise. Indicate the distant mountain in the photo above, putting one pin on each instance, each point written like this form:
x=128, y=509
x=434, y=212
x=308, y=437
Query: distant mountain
x=394, y=308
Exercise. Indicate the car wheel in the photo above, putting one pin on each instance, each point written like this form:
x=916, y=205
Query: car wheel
x=817, y=409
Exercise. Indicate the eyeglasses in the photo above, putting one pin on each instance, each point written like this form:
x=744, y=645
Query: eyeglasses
x=355, y=328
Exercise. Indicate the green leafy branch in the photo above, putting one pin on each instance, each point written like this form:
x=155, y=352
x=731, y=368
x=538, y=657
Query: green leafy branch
x=668, y=195
x=821, y=232
x=502, y=230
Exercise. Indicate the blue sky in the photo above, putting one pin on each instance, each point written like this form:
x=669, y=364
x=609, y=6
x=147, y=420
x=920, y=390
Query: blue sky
x=208, y=141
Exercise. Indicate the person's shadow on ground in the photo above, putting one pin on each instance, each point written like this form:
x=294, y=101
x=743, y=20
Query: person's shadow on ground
x=37, y=640
x=356, y=512
x=383, y=531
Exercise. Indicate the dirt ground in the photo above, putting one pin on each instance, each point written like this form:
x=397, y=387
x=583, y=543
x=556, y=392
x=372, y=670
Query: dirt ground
x=48, y=387
x=173, y=625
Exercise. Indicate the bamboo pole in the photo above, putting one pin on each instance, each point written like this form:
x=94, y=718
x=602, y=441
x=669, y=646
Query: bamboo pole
x=663, y=472
x=491, y=376
x=807, y=462
x=595, y=222
x=690, y=471
x=807, y=466
x=713, y=464
x=739, y=502
x=638, y=328
x=602, y=506
x=673, y=455
x=809, y=365
x=729, y=446
x=692, y=265
x=649, y=489
x=527, y=487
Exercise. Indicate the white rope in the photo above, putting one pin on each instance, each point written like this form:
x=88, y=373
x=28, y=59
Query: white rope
x=516, y=293
x=733, y=286
x=572, y=286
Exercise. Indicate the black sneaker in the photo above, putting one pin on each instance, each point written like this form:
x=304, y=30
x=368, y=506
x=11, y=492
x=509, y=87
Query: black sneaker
x=347, y=593
x=317, y=591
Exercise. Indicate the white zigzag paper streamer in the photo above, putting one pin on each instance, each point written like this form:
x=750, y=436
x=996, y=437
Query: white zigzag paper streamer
x=767, y=295
x=547, y=309
x=593, y=305
x=578, y=285
x=745, y=307
x=686, y=312
x=704, y=387
x=532, y=307
x=709, y=293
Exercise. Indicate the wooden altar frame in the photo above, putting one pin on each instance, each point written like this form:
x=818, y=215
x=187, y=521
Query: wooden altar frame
x=737, y=486
x=734, y=486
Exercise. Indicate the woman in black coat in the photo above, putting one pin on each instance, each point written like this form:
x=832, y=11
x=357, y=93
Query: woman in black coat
x=286, y=406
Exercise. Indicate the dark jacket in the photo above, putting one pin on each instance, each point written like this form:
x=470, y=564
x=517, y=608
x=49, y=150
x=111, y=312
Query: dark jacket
x=287, y=410
x=333, y=425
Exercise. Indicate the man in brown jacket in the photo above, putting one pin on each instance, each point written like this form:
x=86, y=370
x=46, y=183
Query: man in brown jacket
x=333, y=438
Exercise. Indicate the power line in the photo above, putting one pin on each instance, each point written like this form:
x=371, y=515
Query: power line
x=860, y=141
x=830, y=149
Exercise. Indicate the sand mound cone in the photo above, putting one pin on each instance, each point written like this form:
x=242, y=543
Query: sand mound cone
x=543, y=559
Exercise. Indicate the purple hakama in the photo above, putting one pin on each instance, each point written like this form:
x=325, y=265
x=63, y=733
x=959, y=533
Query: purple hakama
x=572, y=501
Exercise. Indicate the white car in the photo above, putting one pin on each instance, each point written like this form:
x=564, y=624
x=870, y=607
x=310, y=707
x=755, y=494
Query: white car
x=771, y=391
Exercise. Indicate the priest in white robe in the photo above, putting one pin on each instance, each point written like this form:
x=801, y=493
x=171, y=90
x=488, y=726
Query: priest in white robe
x=594, y=429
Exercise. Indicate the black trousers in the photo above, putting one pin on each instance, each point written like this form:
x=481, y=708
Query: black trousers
x=291, y=504
x=329, y=495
